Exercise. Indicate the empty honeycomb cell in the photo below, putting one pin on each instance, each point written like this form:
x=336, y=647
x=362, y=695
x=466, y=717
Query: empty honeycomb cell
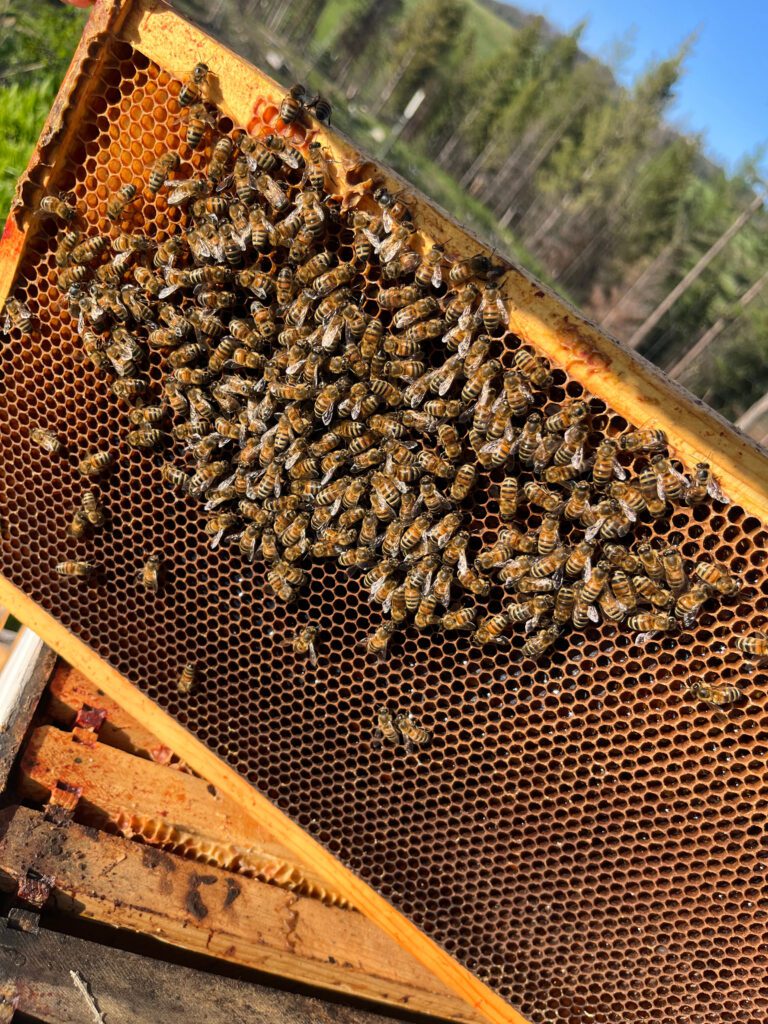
x=581, y=832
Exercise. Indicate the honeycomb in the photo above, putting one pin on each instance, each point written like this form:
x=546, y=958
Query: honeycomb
x=581, y=834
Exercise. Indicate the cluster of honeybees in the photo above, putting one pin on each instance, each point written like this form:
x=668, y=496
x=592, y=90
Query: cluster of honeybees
x=346, y=407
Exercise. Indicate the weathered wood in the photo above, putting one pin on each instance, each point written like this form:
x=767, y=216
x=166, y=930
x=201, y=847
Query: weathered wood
x=134, y=989
x=69, y=691
x=22, y=680
x=170, y=809
x=211, y=911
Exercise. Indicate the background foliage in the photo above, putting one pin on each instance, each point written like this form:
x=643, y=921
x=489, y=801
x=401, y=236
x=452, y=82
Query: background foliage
x=520, y=135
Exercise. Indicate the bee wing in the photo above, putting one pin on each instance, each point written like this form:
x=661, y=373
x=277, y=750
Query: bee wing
x=271, y=191
x=437, y=276
x=217, y=539
x=332, y=333
x=628, y=512
x=182, y=191
x=593, y=531
x=716, y=493
x=619, y=472
x=501, y=309
x=463, y=565
x=225, y=182
x=390, y=248
x=291, y=157
x=375, y=241
x=380, y=583
x=592, y=614
x=641, y=638
x=466, y=318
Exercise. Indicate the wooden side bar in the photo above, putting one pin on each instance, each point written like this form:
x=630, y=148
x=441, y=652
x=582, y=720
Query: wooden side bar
x=211, y=911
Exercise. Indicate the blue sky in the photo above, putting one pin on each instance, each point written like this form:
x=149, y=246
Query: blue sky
x=724, y=94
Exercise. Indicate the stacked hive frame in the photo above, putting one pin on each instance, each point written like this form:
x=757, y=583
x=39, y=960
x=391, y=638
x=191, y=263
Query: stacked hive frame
x=581, y=841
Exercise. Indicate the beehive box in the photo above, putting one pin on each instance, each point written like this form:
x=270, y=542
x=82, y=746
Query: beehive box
x=583, y=841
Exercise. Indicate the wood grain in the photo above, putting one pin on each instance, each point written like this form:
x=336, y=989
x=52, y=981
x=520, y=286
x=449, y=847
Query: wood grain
x=211, y=911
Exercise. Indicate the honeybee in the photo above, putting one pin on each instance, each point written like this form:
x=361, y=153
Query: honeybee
x=386, y=722
x=649, y=590
x=549, y=563
x=717, y=577
x=755, y=644
x=293, y=103
x=429, y=269
x=271, y=191
x=577, y=504
x=378, y=641
x=689, y=604
x=206, y=477
x=652, y=565
x=565, y=601
x=177, y=478
x=579, y=558
x=645, y=440
x=414, y=734
x=149, y=575
x=399, y=296
x=78, y=525
x=540, y=642
x=476, y=266
x=542, y=496
x=483, y=376
x=116, y=206
x=67, y=243
x=146, y=437
x=89, y=250
x=95, y=463
x=629, y=497
x=610, y=605
x=47, y=440
x=471, y=581
x=460, y=618
x=583, y=611
x=549, y=535
x=671, y=485
x=78, y=569
x=162, y=169
x=532, y=368
x=492, y=309
x=529, y=439
x=59, y=208
x=605, y=465
x=715, y=694
x=651, y=622
x=303, y=643
x=426, y=613
x=289, y=155
x=463, y=482
x=570, y=415
x=595, y=582
x=187, y=679
x=93, y=511
x=703, y=486
x=509, y=492
x=321, y=109
x=196, y=87
x=674, y=573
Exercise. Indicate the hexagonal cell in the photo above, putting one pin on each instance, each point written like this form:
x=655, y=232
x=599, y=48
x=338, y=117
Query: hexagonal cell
x=568, y=783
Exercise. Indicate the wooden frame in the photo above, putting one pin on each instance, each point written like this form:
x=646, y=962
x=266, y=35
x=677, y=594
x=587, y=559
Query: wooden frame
x=632, y=387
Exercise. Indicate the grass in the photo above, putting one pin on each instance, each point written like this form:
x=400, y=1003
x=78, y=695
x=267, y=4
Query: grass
x=23, y=109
